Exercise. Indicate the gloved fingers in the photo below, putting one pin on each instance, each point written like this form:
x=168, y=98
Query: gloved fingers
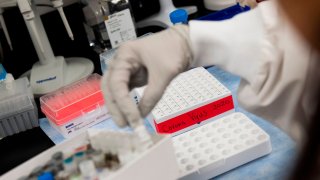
x=153, y=92
x=120, y=92
x=113, y=109
x=138, y=78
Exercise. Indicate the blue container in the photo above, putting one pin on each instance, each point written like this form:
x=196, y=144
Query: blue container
x=3, y=73
x=225, y=13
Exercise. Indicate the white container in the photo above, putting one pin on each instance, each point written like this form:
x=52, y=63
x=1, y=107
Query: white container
x=192, y=99
x=220, y=146
x=76, y=107
x=81, y=123
x=156, y=163
x=18, y=111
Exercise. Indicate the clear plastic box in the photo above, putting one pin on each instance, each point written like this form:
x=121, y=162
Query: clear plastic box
x=156, y=163
x=76, y=107
x=18, y=111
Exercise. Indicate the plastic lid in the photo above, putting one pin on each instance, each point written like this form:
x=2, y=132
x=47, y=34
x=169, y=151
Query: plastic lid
x=46, y=176
x=68, y=160
x=3, y=73
x=179, y=16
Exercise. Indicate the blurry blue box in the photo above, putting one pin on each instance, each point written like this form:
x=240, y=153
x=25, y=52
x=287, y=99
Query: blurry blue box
x=225, y=13
x=3, y=73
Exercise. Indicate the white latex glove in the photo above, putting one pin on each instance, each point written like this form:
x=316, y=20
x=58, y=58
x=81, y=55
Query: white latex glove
x=250, y=3
x=153, y=60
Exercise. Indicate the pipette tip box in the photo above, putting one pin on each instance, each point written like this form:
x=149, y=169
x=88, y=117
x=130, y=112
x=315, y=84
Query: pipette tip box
x=18, y=111
x=220, y=146
x=76, y=107
x=192, y=99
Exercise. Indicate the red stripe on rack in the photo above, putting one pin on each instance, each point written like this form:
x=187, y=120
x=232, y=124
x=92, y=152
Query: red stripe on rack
x=195, y=116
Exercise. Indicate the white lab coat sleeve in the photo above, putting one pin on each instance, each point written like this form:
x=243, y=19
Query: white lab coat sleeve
x=260, y=47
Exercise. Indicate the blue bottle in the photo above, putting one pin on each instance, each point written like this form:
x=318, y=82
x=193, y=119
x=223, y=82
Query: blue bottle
x=179, y=16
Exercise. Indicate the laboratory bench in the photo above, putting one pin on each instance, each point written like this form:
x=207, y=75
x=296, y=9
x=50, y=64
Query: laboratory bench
x=18, y=148
x=23, y=146
x=275, y=165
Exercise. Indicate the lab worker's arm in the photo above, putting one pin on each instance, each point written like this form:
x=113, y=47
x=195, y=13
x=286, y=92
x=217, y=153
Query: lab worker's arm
x=261, y=47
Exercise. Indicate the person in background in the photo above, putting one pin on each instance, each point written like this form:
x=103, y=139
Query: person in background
x=273, y=48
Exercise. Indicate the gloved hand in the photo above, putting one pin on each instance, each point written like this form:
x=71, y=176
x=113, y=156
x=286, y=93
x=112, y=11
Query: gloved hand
x=250, y=3
x=153, y=60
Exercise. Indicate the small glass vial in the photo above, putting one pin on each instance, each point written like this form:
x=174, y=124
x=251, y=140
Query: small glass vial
x=79, y=156
x=87, y=169
x=63, y=175
x=70, y=166
x=98, y=158
x=57, y=156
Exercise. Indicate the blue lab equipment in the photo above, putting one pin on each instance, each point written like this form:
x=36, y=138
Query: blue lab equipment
x=225, y=13
x=179, y=16
x=3, y=73
x=46, y=176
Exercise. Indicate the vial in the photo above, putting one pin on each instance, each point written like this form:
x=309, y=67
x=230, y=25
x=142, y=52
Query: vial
x=87, y=169
x=57, y=156
x=144, y=137
x=70, y=166
x=79, y=156
x=98, y=158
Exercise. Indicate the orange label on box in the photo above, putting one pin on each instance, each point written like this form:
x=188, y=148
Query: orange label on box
x=195, y=116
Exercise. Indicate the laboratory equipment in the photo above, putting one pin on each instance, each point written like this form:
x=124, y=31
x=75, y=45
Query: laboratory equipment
x=160, y=157
x=225, y=13
x=46, y=176
x=3, y=73
x=179, y=16
x=58, y=4
x=107, y=56
x=216, y=5
x=51, y=72
x=162, y=17
x=76, y=107
x=192, y=99
x=4, y=27
x=5, y=4
x=220, y=146
x=283, y=147
x=95, y=14
x=120, y=23
x=110, y=23
x=18, y=111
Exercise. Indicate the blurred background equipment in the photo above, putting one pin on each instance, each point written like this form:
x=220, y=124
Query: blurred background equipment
x=162, y=17
x=216, y=5
x=51, y=72
x=108, y=23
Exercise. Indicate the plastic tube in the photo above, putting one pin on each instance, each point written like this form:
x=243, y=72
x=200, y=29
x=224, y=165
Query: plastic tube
x=65, y=22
